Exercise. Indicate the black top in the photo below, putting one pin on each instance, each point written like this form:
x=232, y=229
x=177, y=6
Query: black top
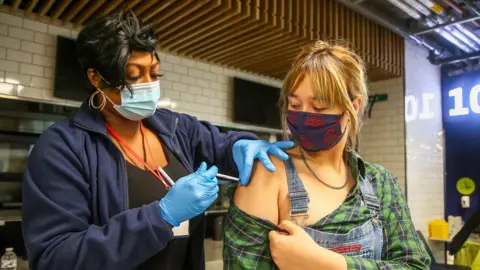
x=181, y=253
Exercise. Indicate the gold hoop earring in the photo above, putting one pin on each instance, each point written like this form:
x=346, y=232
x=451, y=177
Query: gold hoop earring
x=91, y=101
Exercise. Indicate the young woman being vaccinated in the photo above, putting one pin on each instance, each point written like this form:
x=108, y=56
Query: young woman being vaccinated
x=325, y=207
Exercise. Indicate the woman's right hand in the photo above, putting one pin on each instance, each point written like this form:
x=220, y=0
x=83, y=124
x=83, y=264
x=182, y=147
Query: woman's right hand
x=190, y=196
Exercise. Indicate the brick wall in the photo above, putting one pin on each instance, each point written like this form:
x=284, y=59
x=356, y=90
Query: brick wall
x=424, y=144
x=27, y=62
x=382, y=138
x=202, y=89
x=27, y=50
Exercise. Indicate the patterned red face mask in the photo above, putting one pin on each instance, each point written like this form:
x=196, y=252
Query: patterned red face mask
x=315, y=131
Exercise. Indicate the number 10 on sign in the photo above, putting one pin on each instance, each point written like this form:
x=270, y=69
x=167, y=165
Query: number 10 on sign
x=458, y=106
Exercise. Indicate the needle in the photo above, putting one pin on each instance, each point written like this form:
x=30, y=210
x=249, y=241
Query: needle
x=227, y=177
x=223, y=176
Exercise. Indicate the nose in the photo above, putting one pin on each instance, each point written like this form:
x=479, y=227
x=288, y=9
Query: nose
x=307, y=108
x=148, y=78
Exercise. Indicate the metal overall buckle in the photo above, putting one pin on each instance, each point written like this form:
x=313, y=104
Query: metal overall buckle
x=375, y=218
x=299, y=218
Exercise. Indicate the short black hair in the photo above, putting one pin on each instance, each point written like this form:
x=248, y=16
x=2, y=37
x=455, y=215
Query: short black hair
x=105, y=44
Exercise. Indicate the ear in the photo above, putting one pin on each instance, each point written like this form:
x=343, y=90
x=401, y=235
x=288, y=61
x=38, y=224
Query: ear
x=94, y=78
x=357, y=103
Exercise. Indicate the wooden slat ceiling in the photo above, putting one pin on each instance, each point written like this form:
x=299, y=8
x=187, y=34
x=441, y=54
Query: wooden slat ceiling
x=260, y=36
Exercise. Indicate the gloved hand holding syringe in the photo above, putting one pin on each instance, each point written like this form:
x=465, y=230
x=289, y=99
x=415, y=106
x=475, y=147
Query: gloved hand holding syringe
x=204, y=185
x=219, y=175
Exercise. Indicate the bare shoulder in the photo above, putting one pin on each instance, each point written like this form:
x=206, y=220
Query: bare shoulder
x=260, y=197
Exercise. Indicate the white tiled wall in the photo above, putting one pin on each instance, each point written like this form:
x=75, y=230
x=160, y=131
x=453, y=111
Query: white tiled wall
x=382, y=138
x=27, y=62
x=202, y=89
x=424, y=142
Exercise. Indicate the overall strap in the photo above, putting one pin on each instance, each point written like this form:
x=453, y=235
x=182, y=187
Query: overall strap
x=297, y=194
x=368, y=196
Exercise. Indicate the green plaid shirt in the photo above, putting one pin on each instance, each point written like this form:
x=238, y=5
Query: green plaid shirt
x=246, y=243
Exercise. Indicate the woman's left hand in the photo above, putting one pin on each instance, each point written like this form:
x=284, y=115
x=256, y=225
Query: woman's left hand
x=246, y=151
x=295, y=249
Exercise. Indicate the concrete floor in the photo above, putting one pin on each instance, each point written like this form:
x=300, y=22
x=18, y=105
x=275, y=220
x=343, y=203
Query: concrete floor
x=22, y=264
x=213, y=254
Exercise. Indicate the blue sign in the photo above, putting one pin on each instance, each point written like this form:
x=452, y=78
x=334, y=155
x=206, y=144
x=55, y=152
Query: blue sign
x=461, y=122
x=461, y=96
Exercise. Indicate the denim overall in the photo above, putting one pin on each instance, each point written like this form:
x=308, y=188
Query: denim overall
x=365, y=241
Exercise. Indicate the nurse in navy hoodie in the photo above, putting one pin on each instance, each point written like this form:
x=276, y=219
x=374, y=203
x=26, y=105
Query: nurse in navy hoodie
x=122, y=185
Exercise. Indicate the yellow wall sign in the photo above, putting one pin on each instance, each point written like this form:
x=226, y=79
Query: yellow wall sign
x=465, y=186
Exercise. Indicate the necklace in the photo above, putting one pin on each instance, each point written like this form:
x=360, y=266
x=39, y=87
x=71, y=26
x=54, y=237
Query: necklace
x=155, y=172
x=127, y=153
x=145, y=141
x=318, y=178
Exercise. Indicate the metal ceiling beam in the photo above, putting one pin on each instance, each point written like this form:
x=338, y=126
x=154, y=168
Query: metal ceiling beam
x=455, y=59
x=440, y=26
x=292, y=22
x=472, y=6
x=386, y=22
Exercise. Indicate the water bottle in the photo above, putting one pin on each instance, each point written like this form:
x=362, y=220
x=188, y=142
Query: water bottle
x=9, y=260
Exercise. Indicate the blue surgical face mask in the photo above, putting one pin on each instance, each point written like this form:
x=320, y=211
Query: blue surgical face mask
x=140, y=103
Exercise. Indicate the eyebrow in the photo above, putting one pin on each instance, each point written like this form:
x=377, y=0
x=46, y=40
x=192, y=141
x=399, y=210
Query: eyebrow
x=142, y=66
x=295, y=96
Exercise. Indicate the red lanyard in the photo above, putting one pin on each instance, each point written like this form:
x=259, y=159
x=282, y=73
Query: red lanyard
x=156, y=173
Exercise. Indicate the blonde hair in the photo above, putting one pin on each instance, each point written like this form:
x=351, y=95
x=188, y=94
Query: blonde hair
x=337, y=76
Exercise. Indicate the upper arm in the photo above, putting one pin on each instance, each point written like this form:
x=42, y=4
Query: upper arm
x=53, y=181
x=402, y=239
x=260, y=197
x=402, y=248
x=54, y=193
x=246, y=243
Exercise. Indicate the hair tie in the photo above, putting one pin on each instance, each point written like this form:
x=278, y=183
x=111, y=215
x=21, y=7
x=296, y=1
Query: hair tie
x=321, y=47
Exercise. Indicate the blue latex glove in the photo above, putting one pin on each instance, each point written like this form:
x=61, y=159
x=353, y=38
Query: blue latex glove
x=246, y=151
x=190, y=196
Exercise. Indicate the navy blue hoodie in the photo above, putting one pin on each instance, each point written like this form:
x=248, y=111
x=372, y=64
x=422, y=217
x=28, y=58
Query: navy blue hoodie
x=75, y=211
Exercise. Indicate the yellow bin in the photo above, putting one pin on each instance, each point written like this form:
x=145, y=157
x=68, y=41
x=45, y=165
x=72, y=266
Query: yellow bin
x=438, y=229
